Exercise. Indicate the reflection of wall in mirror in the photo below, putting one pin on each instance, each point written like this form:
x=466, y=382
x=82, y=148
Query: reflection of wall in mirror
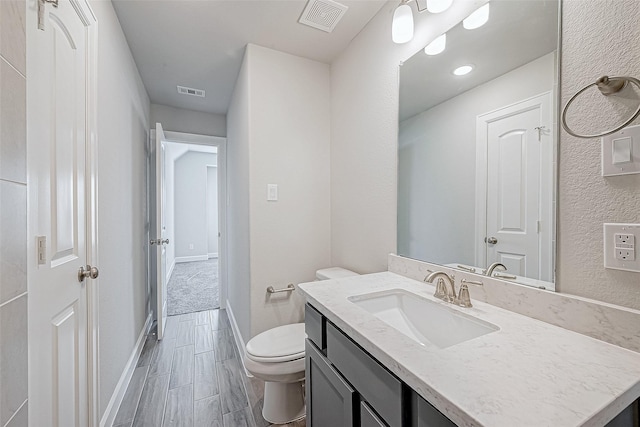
x=437, y=162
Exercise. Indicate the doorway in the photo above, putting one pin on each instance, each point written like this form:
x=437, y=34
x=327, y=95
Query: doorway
x=193, y=217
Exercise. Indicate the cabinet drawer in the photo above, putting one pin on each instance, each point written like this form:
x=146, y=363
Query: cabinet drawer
x=331, y=401
x=314, y=326
x=368, y=417
x=380, y=388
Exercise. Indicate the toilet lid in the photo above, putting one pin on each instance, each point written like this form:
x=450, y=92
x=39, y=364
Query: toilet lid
x=279, y=344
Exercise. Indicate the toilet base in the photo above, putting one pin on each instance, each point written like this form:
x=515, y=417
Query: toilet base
x=283, y=402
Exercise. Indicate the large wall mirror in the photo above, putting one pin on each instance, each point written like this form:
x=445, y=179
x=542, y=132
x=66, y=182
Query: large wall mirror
x=477, y=151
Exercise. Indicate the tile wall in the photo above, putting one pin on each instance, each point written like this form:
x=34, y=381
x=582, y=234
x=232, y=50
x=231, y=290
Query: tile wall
x=13, y=215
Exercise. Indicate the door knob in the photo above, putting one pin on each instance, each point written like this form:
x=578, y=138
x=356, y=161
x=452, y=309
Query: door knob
x=159, y=241
x=88, y=272
x=491, y=240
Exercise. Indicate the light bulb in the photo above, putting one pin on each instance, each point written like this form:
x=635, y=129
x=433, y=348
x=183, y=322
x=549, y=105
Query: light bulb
x=402, y=27
x=477, y=19
x=437, y=46
x=461, y=71
x=437, y=6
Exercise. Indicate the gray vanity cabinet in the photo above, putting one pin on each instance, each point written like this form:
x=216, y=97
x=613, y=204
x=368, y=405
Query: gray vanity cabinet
x=346, y=387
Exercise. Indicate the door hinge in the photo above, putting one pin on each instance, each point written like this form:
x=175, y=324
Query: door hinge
x=41, y=7
x=539, y=225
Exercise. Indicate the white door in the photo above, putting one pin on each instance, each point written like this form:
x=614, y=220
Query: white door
x=59, y=98
x=161, y=233
x=518, y=142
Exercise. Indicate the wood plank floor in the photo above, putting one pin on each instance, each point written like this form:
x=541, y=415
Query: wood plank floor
x=193, y=378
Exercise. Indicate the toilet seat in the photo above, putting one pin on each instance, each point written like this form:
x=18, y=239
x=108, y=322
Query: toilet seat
x=280, y=344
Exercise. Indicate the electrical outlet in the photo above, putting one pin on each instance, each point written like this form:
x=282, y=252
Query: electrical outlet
x=620, y=246
x=625, y=254
x=624, y=241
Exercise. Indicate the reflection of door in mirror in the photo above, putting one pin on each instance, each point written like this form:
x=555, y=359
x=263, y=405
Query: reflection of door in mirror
x=515, y=149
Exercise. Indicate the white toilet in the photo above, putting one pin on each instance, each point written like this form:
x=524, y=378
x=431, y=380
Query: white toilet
x=277, y=357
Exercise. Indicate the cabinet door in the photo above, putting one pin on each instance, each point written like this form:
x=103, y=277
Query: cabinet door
x=330, y=400
x=368, y=417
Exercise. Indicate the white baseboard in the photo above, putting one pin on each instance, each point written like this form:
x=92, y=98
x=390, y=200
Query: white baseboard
x=121, y=388
x=170, y=271
x=237, y=337
x=212, y=255
x=191, y=258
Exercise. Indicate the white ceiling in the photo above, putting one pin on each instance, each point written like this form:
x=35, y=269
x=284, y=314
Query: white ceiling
x=200, y=44
x=517, y=33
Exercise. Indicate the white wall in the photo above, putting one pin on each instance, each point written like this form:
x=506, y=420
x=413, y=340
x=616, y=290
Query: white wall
x=238, y=269
x=599, y=37
x=123, y=122
x=437, y=165
x=289, y=143
x=364, y=134
x=190, y=192
x=212, y=210
x=284, y=102
x=189, y=121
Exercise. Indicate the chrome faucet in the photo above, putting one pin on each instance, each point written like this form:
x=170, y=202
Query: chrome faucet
x=444, y=292
x=499, y=266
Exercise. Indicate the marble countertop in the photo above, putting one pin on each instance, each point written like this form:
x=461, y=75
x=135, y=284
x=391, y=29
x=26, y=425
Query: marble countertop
x=529, y=373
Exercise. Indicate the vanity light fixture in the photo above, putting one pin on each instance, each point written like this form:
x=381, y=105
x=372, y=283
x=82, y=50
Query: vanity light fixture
x=438, y=6
x=437, y=46
x=402, y=27
x=463, y=70
x=477, y=19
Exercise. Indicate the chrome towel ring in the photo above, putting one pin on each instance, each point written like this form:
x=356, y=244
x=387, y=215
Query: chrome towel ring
x=607, y=86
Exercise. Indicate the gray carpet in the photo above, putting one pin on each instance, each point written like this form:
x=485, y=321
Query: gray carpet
x=193, y=286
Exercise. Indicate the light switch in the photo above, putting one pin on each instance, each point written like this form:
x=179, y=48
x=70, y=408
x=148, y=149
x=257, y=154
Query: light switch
x=621, y=152
x=272, y=192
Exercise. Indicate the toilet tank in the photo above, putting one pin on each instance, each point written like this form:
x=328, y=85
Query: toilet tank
x=334, y=273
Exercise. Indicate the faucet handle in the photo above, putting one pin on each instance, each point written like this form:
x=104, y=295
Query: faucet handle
x=441, y=290
x=464, y=299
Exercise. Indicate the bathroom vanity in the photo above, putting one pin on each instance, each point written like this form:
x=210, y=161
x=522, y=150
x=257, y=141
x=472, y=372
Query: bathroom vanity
x=366, y=368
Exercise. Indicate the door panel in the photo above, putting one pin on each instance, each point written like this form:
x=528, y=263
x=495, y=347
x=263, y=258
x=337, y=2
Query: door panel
x=513, y=189
x=161, y=233
x=57, y=105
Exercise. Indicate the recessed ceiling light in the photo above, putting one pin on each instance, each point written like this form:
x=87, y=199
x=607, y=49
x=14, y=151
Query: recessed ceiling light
x=477, y=19
x=437, y=46
x=461, y=71
x=437, y=6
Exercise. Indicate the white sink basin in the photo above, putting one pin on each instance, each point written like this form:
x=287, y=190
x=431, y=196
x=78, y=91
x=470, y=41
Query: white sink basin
x=423, y=320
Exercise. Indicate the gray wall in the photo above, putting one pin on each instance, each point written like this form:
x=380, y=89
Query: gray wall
x=190, y=195
x=13, y=215
x=123, y=123
x=189, y=121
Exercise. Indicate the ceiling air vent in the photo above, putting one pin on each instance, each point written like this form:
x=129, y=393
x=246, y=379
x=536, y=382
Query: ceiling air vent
x=190, y=91
x=323, y=14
